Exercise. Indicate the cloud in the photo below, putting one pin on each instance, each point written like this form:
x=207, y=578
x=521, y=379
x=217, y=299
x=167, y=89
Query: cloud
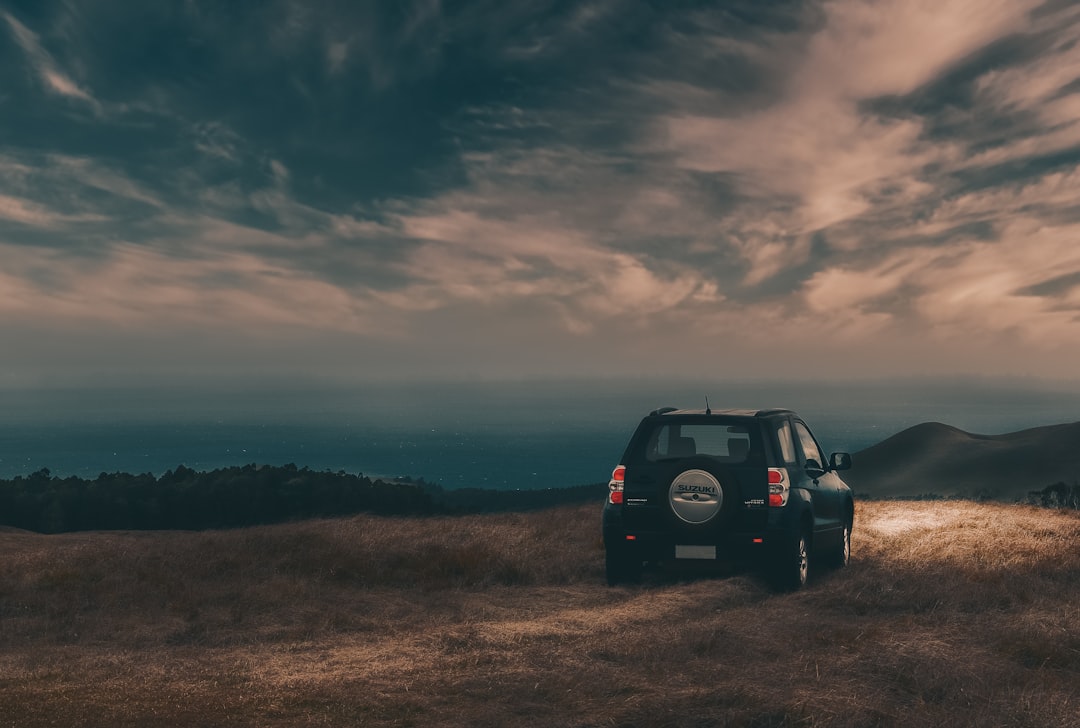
x=216, y=140
x=133, y=286
x=94, y=175
x=874, y=48
x=60, y=193
x=336, y=54
x=814, y=157
x=280, y=172
x=608, y=178
x=554, y=31
x=1059, y=286
x=834, y=200
x=971, y=290
x=385, y=45
x=981, y=291
x=45, y=66
x=25, y=212
x=471, y=257
x=32, y=214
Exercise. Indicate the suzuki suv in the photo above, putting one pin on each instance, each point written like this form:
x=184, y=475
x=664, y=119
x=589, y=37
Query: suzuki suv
x=700, y=486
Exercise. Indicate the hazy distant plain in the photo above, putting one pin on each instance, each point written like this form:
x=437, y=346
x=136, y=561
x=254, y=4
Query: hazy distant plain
x=483, y=434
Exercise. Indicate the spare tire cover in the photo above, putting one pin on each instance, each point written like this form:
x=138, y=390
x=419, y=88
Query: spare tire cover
x=696, y=496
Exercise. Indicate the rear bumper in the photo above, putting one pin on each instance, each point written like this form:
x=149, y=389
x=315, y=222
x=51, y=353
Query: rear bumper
x=654, y=545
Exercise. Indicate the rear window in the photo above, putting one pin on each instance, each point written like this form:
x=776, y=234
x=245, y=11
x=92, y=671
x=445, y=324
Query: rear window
x=731, y=442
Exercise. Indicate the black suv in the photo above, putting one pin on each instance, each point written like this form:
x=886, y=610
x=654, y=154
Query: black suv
x=727, y=485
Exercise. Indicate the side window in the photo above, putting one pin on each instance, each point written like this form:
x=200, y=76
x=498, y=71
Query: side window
x=810, y=448
x=787, y=447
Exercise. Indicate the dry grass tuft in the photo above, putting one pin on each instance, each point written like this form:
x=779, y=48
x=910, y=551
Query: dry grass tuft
x=951, y=613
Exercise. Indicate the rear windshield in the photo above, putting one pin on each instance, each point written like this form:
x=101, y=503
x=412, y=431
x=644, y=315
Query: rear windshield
x=731, y=442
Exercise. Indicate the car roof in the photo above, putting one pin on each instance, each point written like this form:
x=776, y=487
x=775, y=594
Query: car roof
x=671, y=411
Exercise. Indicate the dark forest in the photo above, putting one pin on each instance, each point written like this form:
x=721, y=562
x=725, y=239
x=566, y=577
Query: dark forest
x=244, y=496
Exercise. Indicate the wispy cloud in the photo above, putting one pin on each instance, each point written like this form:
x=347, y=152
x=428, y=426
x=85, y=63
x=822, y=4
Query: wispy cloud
x=25, y=212
x=133, y=284
x=45, y=66
x=58, y=192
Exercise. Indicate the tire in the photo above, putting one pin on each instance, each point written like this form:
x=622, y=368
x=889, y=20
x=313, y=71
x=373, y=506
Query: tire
x=840, y=556
x=843, y=554
x=793, y=566
x=620, y=567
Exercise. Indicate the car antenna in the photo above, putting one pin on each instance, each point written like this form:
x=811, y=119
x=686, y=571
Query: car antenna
x=708, y=411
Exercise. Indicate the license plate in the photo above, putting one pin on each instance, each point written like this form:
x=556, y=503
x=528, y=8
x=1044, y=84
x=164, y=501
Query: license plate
x=695, y=552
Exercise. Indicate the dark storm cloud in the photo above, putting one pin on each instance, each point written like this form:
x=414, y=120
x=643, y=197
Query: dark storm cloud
x=358, y=121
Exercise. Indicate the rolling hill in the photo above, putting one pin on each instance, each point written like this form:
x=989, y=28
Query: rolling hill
x=943, y=460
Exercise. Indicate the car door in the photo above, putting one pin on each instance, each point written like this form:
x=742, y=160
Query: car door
x=824, y=486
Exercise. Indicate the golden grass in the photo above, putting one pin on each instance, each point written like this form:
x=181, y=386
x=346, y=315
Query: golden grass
x=952, y=613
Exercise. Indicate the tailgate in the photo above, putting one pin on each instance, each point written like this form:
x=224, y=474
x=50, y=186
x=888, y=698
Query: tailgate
x=654, y=496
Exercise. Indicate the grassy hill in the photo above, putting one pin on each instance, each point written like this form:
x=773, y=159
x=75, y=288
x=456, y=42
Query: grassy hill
x=937, y=458
x=952, y=613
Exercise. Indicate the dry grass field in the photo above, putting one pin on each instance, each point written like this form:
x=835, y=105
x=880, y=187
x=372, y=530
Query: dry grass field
x=951, y=614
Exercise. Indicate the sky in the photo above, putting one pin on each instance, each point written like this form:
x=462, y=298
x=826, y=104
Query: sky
x=417, y=189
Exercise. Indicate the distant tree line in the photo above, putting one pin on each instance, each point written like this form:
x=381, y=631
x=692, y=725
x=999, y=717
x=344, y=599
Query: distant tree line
x=241, y=496
x=1058, y=495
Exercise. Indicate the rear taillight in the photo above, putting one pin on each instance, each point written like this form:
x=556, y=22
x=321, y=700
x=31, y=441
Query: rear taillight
x=778, y=487
x=615, y=485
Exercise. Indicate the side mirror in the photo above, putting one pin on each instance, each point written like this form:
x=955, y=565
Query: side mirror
x=813, y=468
x=840, y=461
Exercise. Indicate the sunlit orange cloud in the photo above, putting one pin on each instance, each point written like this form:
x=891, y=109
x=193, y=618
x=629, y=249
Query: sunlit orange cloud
x=871, y=48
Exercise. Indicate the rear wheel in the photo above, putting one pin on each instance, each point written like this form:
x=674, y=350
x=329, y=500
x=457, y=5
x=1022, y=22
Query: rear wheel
x=843, y=553
x=839, y=556
x=793, y=567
